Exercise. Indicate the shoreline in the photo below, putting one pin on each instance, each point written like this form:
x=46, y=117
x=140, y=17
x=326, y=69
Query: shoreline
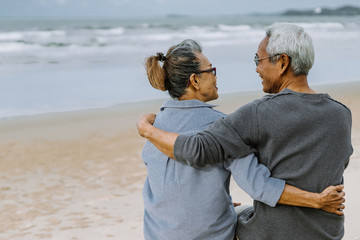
x=138, y=103
x=79, y=174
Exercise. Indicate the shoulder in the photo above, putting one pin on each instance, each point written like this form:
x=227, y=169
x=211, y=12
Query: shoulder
x=211, y=112
x=186, y=116
x=202, y=118
x=189, y=108
x=263, y=105
x=339, y=104
x=249, y=108
x=253, y=105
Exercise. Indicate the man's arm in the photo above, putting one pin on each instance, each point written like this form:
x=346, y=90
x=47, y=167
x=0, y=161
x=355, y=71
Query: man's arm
x=218, y=143
x=255, y=180
x=162, y=140
x=165, y=141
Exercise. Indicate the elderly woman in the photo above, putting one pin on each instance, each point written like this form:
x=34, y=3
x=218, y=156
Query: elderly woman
x=182, y=202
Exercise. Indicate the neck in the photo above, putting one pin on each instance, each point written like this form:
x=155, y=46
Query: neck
x=297, y=84
x=189, y=95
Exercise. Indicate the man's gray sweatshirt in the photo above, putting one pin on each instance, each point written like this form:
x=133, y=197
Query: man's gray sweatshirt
x=304, y=139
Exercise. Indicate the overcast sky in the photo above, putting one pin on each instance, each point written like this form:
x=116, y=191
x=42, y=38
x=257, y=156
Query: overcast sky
x=134, y=8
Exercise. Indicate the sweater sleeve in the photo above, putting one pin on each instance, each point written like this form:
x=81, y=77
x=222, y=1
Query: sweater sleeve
x=255, y=180
x=228, y=138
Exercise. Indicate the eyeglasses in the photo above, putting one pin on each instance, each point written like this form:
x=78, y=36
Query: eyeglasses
x=212, y=70
x=257, y=59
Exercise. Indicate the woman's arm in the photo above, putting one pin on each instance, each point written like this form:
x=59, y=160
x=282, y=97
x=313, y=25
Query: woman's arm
x=254, y=178
x=330, y=200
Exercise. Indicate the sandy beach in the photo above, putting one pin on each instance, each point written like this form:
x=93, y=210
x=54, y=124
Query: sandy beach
x=79, y=175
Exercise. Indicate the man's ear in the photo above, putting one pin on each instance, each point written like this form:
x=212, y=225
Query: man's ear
x=284, y=61
x=194, y=81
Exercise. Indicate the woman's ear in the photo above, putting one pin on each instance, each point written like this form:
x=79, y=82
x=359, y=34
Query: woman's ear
x=194, y=81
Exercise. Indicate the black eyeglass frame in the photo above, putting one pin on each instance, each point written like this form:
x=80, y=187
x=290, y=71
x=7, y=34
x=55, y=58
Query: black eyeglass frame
x=212, y=70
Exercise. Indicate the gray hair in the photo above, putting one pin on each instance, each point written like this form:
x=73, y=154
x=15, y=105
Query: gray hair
x=293, y=41
x=179, y=63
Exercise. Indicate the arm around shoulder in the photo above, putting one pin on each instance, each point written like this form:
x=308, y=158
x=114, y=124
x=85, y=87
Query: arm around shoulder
x=162, y=140
x=219, y=143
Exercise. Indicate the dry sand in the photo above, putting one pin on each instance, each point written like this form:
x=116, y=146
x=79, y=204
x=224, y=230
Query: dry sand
x=79, y=175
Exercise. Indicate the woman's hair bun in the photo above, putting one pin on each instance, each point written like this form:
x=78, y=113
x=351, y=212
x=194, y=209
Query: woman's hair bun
x=161, y=57
x=155, y=72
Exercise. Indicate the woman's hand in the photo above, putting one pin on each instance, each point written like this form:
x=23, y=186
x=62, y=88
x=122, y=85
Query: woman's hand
x=144, y=122
x=236, y=204
x=331, y=199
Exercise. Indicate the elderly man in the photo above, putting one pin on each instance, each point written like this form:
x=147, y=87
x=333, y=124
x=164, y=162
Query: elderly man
x=302, y=136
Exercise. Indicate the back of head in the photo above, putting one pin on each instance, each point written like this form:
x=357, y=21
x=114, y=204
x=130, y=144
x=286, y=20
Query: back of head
x=178, y=64
x=293, y=41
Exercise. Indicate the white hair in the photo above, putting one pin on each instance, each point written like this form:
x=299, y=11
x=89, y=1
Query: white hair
x=293, y=41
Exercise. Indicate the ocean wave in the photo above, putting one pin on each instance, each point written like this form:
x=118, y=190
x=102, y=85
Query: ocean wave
x=111, y=31
x=18, y=47
x=57, y=58
x=8, y=36
x=236, y=28
x=11, y=36
x=324, y=26
x=56, y=44
x=104, y=39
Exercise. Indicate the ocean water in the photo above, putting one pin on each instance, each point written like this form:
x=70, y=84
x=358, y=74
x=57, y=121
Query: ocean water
x=55, y=65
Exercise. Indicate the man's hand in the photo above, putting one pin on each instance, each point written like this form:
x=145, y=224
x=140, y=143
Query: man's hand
x=164, y=141
x=332, y=198
x=143, y=123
